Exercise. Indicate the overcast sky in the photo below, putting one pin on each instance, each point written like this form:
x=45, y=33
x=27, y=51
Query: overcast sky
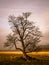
x=40, y=15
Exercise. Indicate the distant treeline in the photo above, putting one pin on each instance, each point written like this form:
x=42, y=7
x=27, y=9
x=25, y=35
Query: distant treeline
x=43, y=48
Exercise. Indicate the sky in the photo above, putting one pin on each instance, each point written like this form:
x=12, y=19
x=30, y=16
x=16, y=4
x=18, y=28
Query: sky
x=40, y=15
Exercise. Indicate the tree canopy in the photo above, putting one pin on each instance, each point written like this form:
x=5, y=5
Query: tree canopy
x=24, y=32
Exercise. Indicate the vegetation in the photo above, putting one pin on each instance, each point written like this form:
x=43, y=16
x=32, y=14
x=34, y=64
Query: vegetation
x=25, y=33
x=17, y=59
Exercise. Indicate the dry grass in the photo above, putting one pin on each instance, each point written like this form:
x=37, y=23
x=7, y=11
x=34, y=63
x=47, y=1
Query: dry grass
x=16, y=58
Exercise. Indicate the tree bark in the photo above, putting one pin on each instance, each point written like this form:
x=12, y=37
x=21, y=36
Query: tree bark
x=24, y=53
x=25, y=56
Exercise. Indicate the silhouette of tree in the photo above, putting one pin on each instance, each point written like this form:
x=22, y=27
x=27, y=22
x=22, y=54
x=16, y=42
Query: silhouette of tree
x=24, y=32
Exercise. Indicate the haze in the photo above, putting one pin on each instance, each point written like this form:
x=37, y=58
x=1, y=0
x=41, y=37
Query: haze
x=40, y=15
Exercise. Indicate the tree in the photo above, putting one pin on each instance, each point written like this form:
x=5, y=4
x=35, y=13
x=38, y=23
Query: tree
x=24, y=32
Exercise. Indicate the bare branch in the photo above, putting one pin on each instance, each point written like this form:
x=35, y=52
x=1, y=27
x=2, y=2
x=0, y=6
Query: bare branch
x=18, y=30
x=27, y=35
x=24, y=31
x=27, y=14
x=16, y=47
x=27, y=45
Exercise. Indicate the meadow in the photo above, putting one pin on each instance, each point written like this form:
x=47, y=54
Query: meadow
x=16, y=58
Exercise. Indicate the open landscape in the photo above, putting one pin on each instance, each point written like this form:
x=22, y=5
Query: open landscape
x=24, y=32
x=16, y=58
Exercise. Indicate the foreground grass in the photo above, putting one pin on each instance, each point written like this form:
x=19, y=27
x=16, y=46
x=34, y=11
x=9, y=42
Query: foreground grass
x=14, y=58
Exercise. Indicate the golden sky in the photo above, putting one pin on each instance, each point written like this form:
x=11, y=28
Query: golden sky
x=40, y=15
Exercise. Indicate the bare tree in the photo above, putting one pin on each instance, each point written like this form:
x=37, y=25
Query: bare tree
x=25, y=32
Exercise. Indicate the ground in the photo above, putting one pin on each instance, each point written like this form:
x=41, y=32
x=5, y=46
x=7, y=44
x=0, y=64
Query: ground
x=14, y=58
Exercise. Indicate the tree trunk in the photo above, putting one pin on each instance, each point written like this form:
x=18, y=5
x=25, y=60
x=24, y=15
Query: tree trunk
x=27, y=57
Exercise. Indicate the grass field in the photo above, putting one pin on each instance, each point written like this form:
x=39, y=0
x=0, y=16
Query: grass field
x=16, y=58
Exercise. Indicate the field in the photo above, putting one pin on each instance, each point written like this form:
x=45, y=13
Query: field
x=16, y=58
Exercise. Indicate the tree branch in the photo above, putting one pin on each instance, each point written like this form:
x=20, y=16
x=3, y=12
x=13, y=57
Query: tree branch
x=17, y=48
x=17, y=39
x=27, y=45
x=26, y=35
x=18, y=30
